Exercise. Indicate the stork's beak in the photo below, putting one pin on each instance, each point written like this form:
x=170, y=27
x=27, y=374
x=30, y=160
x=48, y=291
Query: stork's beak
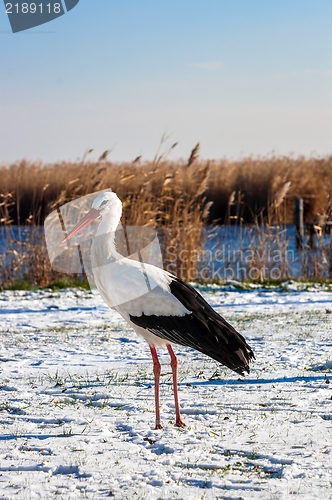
x=87, y=219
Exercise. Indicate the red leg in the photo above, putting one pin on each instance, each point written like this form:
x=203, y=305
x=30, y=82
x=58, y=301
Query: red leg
x=174, y=366
x=156, y=371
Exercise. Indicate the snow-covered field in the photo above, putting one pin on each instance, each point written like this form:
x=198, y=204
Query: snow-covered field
x=77, y=404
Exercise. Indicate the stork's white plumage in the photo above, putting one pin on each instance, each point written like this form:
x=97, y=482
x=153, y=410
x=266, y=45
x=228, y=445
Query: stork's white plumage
x=156, y=304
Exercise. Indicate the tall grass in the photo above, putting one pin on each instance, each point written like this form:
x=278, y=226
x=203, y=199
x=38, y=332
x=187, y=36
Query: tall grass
x=179, y=198
x=259, y=180
x=161, y=198
x=36, y=187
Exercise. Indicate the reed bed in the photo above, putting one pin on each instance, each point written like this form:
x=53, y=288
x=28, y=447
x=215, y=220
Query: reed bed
x=163, y=198
x=244, y=188
x=35, y=186
x=181, y=199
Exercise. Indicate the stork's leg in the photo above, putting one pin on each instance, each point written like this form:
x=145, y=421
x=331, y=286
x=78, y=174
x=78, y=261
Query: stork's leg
x=156, y=371
x=174, y=366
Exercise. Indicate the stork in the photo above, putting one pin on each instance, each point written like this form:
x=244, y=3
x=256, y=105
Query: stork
x=169, y=311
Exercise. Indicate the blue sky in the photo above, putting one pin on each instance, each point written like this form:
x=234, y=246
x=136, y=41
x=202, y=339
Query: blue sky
x=239, y=76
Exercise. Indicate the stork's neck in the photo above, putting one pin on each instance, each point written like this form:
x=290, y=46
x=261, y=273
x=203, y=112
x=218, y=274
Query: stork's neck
x=107, y=227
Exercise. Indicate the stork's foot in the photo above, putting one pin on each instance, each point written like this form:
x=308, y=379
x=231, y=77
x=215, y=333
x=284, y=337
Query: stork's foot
x=179, y=423
x=158, y=425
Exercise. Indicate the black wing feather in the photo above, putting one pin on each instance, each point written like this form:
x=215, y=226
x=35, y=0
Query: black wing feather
x=204, y=329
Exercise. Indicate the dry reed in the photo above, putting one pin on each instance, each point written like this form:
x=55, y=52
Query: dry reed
x=163, y=199
x=36, y=186
x=179, y=198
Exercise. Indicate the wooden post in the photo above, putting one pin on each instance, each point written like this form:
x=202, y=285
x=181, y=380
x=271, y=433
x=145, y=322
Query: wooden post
x=311, y=239
x=299, y=226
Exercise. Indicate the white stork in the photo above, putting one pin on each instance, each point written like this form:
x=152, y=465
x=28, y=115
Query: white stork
x=170, y=311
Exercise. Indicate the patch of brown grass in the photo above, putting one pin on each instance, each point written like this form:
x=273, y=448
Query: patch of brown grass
x=259, y=181
x=156, y=194
x=36, y=187
x=179, y=198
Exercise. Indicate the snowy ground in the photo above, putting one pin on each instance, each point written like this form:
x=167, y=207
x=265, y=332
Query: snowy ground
x=77, y=407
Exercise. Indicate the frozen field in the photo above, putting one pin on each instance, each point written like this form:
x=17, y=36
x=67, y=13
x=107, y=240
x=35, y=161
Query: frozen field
x=77, y=404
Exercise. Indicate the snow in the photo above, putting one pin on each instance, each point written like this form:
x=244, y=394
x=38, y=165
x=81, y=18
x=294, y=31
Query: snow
x=77, y=403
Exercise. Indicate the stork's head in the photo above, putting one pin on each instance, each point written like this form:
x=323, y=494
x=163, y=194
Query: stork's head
x=108, y=207
x=106, y=202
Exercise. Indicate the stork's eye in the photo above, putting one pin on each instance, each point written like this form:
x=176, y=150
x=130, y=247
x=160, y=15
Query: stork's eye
x=103, y=204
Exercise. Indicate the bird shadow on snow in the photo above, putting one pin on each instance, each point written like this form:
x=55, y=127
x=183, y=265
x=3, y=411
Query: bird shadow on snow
x=261, y=381
x=47, y=309
x=8, y=437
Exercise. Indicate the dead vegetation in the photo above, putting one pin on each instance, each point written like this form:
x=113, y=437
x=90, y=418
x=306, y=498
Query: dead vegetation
x=259, y=180
x=153, y=195
x=35, y=187
x=179, y=198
